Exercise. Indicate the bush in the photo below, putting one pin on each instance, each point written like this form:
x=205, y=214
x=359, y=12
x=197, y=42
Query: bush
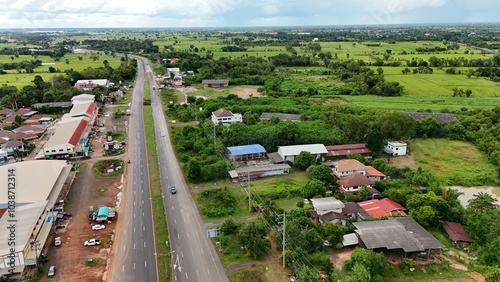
x=218, y=202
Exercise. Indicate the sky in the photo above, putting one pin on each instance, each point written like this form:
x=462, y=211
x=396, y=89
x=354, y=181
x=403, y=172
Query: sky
x=35, y=14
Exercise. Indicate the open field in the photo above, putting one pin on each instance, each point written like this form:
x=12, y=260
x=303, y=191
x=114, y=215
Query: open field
x=455, y=162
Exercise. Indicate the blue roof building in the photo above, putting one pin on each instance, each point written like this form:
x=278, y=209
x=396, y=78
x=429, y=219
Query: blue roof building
x=246, y=152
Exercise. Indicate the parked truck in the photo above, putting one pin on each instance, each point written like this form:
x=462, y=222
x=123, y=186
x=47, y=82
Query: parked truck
x=92, y=242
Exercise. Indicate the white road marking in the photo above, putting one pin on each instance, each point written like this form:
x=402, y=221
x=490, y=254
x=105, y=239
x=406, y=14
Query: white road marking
x=145, y=264
x=144, y=244
x=187, y=234
x=178, y=236
x=192, y=253
x=143, y=228
x=202, y=251
x=175, y=220
x=172, y=207
x=124, y=248
x=134, y=265
x=197, y=274
x=123, y=267
x=182, y=254
x=134, y=204
x=134, y=215
x=186, y=275
x=134, y=246
x=134, y=229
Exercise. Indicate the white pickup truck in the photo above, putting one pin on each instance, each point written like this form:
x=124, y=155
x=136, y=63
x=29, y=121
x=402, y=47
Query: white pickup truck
x=92, y=242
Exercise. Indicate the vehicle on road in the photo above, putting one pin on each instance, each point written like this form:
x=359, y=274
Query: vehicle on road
x=173, y=190
x=92, y=242
x=98, y=227
x=57, y=241
x=154, y=87
x=162, y=134
x=52, y=271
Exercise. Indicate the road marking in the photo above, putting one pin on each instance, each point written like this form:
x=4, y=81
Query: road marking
x=187, y=234
x=208, y=270
x=124, y=248
x=144, y=244
x=134, y=204
x=197, y=274
x=134, y=265
x=178, y=236
x=182, y=254
x=192, y=253
x=202, y=251
x=143, y=228
x=134, y=229
x=123, y=268
x=172, y=207
x=186, y=275
x=145, y=264
x=134, y=215
x=134, y=246
x=175, y=220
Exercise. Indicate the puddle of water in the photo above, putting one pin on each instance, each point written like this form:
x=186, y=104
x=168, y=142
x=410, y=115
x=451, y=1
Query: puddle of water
x=470, y=191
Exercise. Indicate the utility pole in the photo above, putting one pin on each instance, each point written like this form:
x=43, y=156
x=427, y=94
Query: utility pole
x=284, y=228
x=249, y=194
x=215, y=147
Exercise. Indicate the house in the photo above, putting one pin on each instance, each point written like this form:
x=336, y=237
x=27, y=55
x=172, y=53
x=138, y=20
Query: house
x=457, y=234
x=401, y=235
x=348, y=166
x=288, y=153
x=173, y=71
x=12, y=147
x=290, y=117
x=246, y=152
x=381, y=208
x=333, y=217
x=215, y=83
x=30, y=129
x=243, y=173
x=23, y=112
x=352, y=183
x=66, y=138
x=326, y=205
x=354, y=211
x=225, y=117
x=6, y=112
x=374, y=174
x=342, y=151
x=89, y=84
x=177, y=81
x=395, y=148
x=442, y=118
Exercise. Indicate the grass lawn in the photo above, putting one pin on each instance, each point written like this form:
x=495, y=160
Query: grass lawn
x=107, y=164
x=455, y=162
x=288, y=203
x=286, y=185
x=231, y=253
x=428, y=273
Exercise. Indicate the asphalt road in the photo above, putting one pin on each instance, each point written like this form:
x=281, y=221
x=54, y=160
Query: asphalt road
x=193, y=255
x=134, y=250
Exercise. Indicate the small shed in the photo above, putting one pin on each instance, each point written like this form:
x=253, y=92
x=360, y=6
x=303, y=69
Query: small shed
x=215, y=83
x=350, y=240
x=457, y=234
x=246, y=152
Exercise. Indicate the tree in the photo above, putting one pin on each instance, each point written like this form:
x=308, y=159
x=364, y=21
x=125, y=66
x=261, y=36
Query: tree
x=425, y=216
x=229, y=227
x=375, y=141
x=374, y=262
x=18, y=119
x=252, y=237
x=334, y=233
x=313, y=188
x=481, y=203
x=193, y=170
x=304, y=160
x=322, y=173
x=358, y=273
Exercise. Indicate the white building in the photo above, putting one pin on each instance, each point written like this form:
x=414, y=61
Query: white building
x=38, y=187
x=326, y=205
x=225, y=117
x=288, y=153
x=66, y=138
x=82, y=98
x=89, y=84
x=396, y=148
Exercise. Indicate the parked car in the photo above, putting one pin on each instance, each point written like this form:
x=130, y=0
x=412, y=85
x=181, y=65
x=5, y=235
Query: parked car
x=52, y=271
x=162, y=134
x=92, y=242
x=98, y=227
x=173, y=190
x=57, y=241
x=326, y=243
x=306, y=201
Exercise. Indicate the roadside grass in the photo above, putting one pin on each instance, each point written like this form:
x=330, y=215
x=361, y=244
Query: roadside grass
x=119, y=136
x=455, y=162
x=286, y=185
x=157, y=207
x=231, y=253
x=254, y=274
x=437, y=272
x=95, y=262
x=105, y=164
x=242, y=205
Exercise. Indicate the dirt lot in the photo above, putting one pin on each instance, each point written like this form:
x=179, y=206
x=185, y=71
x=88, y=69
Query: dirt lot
x=69, y=258
x=338, y=259
x=246, y=92
x=402, y=161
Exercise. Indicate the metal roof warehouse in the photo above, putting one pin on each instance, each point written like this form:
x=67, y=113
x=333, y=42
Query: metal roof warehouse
x=247, y=151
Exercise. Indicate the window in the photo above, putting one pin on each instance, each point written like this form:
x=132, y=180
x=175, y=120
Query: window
x=60, y=150
x=47, y=151
x=53, y=151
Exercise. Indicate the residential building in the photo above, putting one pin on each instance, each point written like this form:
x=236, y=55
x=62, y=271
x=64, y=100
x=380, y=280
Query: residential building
x=326, y=205
x=352, y=183
x=342, y=151
x=6, y=112
x=374, y=174
x=348, y=166
x=13, y=147
x=288, y=153
x=225, y=117
x=354, y=211
x=382, y=208
x=215, y=83
x=395, y=148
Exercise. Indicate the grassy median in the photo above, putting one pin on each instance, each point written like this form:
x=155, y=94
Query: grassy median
x=159, y=220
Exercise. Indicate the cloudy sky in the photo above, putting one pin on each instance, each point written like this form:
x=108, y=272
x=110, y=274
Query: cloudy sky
x=236, y=13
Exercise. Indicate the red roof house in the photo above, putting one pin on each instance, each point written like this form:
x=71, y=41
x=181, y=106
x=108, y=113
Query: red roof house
x=385, y=207
x=354, y=182
x=348, y=149
x=374, y=174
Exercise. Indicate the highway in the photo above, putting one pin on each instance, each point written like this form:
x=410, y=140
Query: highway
x=134, y=249
x=193, y=256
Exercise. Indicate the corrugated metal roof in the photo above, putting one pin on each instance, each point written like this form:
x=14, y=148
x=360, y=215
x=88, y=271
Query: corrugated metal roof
x=456, y=232
x=215, y=81
x=246, y=149
x=295, y=150
x=65, y=132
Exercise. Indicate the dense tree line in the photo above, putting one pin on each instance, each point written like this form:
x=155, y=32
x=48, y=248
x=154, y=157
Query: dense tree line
x=27, y=66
